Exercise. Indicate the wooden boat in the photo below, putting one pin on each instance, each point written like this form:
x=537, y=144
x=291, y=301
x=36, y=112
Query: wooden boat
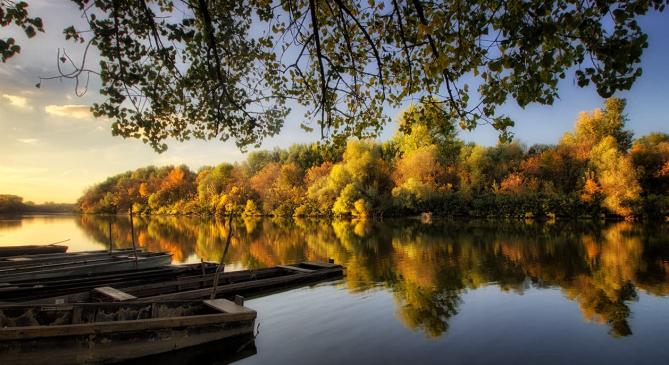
x=23, y=291
x=246, y=282
x=222, y=352
x=31, y=250
x=112, y=332
x=110, y=263
x=52, y=258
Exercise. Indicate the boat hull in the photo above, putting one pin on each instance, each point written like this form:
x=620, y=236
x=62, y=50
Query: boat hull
x=246, y=283
x=115, y=347
x=64, y=270
x=113, y=332
x=31, y=250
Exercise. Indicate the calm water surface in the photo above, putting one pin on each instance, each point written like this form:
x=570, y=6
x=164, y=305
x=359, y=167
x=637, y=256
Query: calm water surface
x=446, y=292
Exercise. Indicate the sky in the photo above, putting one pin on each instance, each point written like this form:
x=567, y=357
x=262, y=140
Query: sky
x=52, y=148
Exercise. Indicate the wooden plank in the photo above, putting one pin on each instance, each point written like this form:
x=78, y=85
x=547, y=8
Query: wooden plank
x=226, y=306
x=248, y=286
x=325, y=265
x=28, y=332
x=76, y=314
x=295, y=268
x=118, y=347
x=113, y=294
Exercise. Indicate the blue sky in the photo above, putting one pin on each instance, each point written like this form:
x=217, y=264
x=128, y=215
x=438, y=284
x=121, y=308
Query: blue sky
x=51, y=148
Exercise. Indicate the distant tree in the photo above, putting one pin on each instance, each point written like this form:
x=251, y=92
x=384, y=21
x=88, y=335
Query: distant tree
x=591, y=128
x=589, y=173
x=355, y=185
x=257, y=160
x=650, y=155
x=222, y=188
x=11, y=203
x=482, y=167
x=617, y=177
x=179, y=184
x=424, y=125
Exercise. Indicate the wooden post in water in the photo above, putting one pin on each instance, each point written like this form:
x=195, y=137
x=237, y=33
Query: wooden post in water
x=132, y=233
x=110, y=234
x=221, y=264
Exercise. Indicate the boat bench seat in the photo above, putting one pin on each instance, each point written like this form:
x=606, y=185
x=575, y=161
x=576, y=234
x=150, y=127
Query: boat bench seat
x=107, y=293
x=295, y=268
x=226, y=306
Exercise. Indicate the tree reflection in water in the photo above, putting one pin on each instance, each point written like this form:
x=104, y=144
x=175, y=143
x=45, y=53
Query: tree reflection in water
x=428, y=267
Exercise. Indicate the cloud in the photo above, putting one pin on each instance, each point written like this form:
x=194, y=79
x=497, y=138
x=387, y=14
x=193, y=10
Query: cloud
x=69, y=110
x=10, y=172
x=17, y=101
x=27, y=140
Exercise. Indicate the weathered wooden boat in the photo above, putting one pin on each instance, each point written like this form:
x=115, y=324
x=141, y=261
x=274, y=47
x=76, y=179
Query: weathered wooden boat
x=31, y=250
x=24, y=291
x=52, y=258
x=245, y=282
x=112, y=332
x=221, y=352
x=109, y=263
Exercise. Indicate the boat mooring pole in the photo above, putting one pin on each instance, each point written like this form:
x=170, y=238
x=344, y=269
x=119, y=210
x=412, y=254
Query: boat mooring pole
x=132, y=233
x=110, y=234
x=221, y=265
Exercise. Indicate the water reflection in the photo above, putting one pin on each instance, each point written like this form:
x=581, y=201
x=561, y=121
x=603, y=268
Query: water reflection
x=428, y=267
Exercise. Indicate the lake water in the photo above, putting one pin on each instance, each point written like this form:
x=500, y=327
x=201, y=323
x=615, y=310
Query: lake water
x=441, y=292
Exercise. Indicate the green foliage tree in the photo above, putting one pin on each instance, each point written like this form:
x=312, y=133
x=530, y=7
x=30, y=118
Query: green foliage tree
x=16, y=13
x=482, y=167
x=226, y=69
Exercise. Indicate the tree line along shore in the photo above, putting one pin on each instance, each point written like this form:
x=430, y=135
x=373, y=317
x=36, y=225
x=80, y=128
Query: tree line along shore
x=14, y=204
x=599, y=169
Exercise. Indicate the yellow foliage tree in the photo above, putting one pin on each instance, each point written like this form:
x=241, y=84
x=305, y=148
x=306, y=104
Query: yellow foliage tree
x=617, y=177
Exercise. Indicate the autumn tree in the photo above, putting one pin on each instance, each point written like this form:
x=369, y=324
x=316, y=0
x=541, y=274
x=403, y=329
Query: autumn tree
x=357, y=186
x=592, y=127
x=650, y=155
x=482, y=168
x=600, y=137
x=179, y=184
x=280, y=188
x=587, y=174
x=11, y=203
x=424, y=125
x=223, y=189
x=426, y=143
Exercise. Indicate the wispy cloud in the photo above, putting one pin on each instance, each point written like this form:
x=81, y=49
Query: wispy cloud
x=69, y=110
x=17, y=101
x=20, y=171
x=28, y=140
